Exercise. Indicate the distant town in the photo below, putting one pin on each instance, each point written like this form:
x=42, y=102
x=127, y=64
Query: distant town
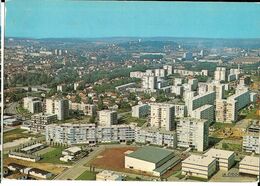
x=132, y=109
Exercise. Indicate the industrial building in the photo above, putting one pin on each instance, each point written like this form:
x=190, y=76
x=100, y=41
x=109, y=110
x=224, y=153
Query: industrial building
x=152, y=160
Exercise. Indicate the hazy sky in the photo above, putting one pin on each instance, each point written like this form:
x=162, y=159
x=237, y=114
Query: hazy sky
x=82, y=19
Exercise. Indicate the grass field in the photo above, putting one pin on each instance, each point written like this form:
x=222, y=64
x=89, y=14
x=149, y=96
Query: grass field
x=15, y=134
x=87, y=175
x=53, y=156
x=127, y=118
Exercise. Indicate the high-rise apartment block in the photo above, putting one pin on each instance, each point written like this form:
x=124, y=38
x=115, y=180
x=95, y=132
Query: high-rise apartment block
x=162, y=116
x=57, y=106
x=192, y=133
x=32, y=104
x=107, y=117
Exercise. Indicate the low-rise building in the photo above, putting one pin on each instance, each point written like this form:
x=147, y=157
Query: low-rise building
x=39, y=121
x=33, y=148
x=249, y=165
x=199, y=166
x=225, y=159
x=40, y=173
x=107, y=175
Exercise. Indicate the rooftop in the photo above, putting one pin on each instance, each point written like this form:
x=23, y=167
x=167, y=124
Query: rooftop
x=219, y=153
x=150, y=154
x=73, y=149
x=32, y=147
x=250, y=160
x=199, y=160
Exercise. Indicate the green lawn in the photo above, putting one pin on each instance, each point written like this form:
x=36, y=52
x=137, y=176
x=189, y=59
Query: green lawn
x=53, y=156
x=15, y=134
x=127, y=118
x=252, y=114
x=87, y=175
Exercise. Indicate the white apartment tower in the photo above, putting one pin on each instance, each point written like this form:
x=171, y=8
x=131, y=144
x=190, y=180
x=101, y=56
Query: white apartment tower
x=193, y=133
x=162, y=116
x=107, y=117
x=57, y=106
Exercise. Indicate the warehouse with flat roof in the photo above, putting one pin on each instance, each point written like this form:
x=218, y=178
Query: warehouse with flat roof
x=153, y=160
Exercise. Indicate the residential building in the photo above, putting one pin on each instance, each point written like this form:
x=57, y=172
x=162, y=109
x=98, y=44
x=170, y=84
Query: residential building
x=220, y=74
x=107, y=117
x=154, y=136
x=32, y=104
x=206, y=112
x=39, y=121
x=192, y=133
x=251, y=138
x=140, y=111
x=57, y=106
x=169, y=69
x=162, y=116
x=205, y=99
x=89, y=133
x=149, y=82
x=227, y=110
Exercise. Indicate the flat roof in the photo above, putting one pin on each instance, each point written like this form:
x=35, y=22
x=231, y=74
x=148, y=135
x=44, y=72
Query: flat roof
x=150, y=154
x=32, y=147
x=219, y=153
x=199, y=160
x=73, y=149
x=250, y=160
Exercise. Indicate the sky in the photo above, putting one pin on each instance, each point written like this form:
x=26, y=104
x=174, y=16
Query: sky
x=89, y=19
